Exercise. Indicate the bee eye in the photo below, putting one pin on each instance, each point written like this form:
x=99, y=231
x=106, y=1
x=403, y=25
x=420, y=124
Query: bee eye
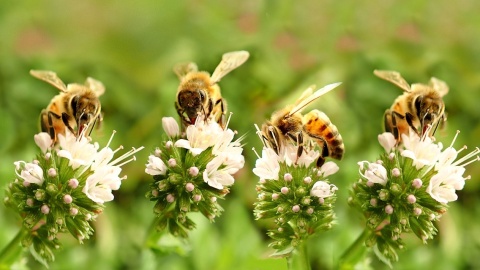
x=418, y=104
x=202, y=95
x=73, y=104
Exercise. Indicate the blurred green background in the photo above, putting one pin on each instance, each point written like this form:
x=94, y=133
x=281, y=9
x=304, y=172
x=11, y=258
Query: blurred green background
x=131, y=46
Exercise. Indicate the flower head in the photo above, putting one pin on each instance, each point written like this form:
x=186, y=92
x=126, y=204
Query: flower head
x=190, y=171
x=67, y=183
x=294, y=191
x=416, y=181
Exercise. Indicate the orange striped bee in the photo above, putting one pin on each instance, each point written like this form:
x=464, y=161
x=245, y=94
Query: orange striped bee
x=77, y=106
x=289, y=126
x=199, y=93
x=419, y=107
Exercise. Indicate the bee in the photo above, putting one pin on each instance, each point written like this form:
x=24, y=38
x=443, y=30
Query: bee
x=420, y=108
x=199, y=93
x=288, y=125
x=76, y=107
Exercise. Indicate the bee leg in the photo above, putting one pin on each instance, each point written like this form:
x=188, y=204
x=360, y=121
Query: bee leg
x=394, y=124
x=387, y=121
x=65, y=121
x=409, y=117
x=185, y=120
x=223, y=106
x=300, y=145
x=46, y=123
x=325, y=153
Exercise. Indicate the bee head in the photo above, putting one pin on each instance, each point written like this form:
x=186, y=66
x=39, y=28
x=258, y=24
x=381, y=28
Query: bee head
x=85, y=110
x=429, y=109
x=192, y=102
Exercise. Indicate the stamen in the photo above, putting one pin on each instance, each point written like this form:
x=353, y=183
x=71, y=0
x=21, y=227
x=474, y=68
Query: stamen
x=461, y=149
x=258, y=156
x=126, y=155
x=467, y=157
x=228, y=120
x=127, y=161
x=455, y=138
x=118, y=149
x=111, y=137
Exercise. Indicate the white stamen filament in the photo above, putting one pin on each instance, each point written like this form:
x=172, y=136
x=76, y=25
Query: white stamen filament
x=111, y=138
x=467, y=157
x=127, y=161
x=259, y=134
x=228, y=120
x=118, y=149
x=455, y=138
x=258, y=156
x=126, y=155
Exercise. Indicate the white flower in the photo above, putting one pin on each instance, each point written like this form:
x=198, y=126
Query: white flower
x=155, y=166
x=387, y=141
x=200, y=136
x=224, y=144
x=79, y=150
x=422, y=151
x=43, y=141
x=31, y=173
x=99, y=185
x=102, y=158
x=442, y=186
x=219, y=178
x=322, y=189
x=267, y=167
x=170, y=126
x=376, y=173
x=328, y=169
x=305, y=159
x=446, y=158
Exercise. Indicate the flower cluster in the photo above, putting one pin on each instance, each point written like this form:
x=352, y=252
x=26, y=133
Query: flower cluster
x=190, y=172
x=296, y=193
x=407, y=189
x=63, y=189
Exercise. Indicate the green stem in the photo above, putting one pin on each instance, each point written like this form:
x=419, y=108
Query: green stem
x=152, y=234
x=355, y=252
x=10, y=252
x=299, y=258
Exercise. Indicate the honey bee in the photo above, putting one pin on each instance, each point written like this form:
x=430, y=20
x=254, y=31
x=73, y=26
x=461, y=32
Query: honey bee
x=289, y=126
x=199, y=93
x=419, y=107
x=77, y=106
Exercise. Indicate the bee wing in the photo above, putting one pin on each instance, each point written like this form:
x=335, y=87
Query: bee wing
x=96, y=86
x=308, y=92
x=440, y=86
x=393, y=77
x=49, y=77
x=230, y=61
x=181, y=70
x=307, y=100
